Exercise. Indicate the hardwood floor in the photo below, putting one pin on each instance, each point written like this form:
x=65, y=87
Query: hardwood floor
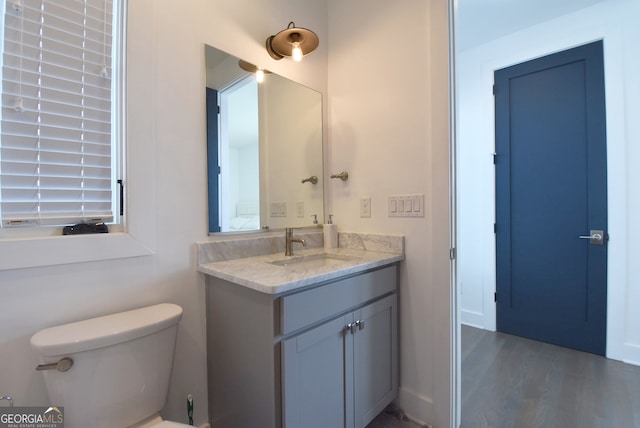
x=510, y=382
x=392, y=418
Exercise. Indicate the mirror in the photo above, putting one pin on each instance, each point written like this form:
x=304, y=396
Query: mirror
x=264, y=148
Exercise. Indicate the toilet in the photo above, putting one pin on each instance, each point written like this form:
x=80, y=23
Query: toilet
x=120, y=369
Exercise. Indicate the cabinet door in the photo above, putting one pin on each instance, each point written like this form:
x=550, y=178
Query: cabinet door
x=375, y=359
x=313, y=377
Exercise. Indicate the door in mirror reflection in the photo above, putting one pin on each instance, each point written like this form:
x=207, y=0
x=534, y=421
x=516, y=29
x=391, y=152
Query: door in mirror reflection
x=239, y=185
x=213, y=160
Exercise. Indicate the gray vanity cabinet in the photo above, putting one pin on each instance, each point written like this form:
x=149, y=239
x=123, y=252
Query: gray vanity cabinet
x=375, y=354
x=313, y=377
x=343, y=372
x=325, y=356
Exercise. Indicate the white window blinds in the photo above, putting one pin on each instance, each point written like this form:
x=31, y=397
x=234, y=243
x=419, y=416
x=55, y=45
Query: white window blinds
x=56, y=129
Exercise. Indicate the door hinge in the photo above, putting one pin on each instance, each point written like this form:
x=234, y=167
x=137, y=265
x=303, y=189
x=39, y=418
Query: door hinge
x=494, y=155
x=452, y=254
x=495, y=228
x=493, y=89
x=495, y=297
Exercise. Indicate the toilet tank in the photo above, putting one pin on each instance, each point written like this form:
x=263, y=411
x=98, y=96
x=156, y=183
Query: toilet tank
x=121, y=366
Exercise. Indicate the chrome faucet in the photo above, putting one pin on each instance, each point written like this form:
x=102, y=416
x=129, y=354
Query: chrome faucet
x=289, y=240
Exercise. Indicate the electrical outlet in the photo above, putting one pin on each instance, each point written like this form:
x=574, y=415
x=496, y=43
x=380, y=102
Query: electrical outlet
x=365, y=207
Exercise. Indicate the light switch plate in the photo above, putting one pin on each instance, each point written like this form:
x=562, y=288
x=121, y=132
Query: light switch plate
x=278, y=209
x=365, y=207
x=406, y=205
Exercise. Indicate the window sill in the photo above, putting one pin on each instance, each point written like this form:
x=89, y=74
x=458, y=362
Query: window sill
x=56, y=250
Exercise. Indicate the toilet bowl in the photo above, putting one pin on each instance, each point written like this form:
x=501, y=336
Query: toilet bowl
x=116, y=370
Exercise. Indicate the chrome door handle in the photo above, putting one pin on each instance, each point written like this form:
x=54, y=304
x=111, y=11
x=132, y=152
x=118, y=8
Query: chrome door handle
x=596, y=237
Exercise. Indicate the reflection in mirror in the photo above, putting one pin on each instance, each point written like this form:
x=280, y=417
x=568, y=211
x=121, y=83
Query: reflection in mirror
x=264, y=143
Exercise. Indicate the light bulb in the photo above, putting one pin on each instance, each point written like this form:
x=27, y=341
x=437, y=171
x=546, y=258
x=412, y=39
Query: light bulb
x=296, y=53
x=260, y=75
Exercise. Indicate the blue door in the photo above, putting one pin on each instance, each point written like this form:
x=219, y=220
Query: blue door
x=551, y=199
x=213, y=162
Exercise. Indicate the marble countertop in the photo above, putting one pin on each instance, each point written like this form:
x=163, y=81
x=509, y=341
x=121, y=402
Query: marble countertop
x=260, y=274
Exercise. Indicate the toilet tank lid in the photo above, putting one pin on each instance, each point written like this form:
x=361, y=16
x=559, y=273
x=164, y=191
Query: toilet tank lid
x=106, y=330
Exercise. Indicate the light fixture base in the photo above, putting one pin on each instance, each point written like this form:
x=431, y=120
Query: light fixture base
x=275, y=55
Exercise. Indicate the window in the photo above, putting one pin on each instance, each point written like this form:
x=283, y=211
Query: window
x=60, y=131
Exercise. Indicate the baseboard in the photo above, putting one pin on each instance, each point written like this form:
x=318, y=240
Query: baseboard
x=628, y=353
x=632, y=354
x=416, y=407
x=472, y=319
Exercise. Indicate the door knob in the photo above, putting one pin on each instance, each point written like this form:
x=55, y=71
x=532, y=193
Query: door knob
x=596, y=237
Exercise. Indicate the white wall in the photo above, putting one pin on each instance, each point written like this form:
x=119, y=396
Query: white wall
x=388, y=119
x=615, y=22
x=166, y=110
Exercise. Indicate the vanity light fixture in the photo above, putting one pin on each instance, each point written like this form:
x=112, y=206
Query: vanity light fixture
x=259, y=72
x=292, y=42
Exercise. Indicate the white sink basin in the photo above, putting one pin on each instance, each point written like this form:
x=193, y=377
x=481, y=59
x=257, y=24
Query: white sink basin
x=310, y=261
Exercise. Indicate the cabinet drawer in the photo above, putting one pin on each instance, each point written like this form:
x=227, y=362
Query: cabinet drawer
x=308, y=307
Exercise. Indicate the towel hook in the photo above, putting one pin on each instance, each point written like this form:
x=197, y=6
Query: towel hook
x=344, y=176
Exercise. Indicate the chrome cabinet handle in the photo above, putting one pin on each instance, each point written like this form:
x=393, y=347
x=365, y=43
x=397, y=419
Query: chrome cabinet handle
x=352, y=327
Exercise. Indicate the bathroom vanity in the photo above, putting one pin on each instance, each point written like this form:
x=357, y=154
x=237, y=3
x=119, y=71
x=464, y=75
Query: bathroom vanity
x=302, y=341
